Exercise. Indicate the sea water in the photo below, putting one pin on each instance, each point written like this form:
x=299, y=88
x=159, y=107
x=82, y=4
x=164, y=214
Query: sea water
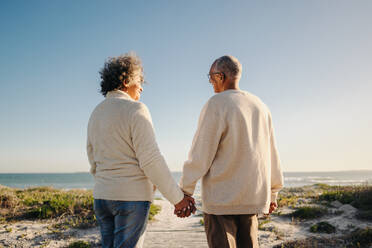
x=86, y=181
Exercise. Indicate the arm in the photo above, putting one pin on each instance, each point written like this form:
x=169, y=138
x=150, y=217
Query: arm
x=276, y=171
x=149, y=157
x=203, y=149
x=90, y=158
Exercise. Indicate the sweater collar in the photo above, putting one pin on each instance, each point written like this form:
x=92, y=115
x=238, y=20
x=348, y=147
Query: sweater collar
x=117, y=94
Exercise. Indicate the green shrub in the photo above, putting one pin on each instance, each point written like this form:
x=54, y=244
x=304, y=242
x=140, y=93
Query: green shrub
x=262, y=223
x=364, y=215
x=287, y=201
x=312, y=242
x=361, y=237
x=358, y=196
x=8, y=199
x=154, y=210
x=322, y=227
x=201, y=222
x=45, y=202
x=309, y=212
x=79, y=244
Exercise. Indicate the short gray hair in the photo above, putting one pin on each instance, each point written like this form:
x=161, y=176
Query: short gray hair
x=229, y=65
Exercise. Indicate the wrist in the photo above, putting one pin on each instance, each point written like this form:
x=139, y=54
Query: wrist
x=186, y=193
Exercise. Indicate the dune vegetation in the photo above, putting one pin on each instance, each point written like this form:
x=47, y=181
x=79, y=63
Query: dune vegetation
x=320, y=201
x=71, y=208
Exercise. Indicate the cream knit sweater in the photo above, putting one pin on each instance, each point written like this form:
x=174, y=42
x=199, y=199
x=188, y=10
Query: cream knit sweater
x=123, y=153
x=234, y=153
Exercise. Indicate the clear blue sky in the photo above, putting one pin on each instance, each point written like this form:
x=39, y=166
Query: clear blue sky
x=309, y=61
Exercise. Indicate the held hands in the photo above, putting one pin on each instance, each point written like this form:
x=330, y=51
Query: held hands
x=272, y=208
x=185, y=207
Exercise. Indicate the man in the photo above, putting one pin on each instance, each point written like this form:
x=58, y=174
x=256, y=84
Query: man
x=234, y=153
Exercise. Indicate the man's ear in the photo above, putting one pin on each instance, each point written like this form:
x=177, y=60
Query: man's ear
x=222, y=77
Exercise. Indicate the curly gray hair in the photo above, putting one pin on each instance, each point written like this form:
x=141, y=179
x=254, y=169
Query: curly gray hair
x=116, y=70
x=229, y=65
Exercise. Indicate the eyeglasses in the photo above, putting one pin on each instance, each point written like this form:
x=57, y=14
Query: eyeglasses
x=210, y=74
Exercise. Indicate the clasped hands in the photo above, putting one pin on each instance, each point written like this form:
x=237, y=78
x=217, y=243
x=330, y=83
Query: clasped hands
x=185, y=207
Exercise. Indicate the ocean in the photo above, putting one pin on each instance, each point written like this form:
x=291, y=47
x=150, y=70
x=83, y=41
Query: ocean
x=85, y=180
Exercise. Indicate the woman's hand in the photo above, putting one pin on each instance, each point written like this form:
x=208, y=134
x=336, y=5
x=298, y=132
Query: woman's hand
x=185, y=207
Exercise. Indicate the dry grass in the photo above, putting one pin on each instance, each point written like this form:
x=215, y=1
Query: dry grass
x=72, y=208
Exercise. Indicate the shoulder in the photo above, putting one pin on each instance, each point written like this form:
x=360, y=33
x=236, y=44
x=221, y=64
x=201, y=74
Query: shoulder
x=139, y=109
x=217, y=100
x=257, y=101
x=139, y=106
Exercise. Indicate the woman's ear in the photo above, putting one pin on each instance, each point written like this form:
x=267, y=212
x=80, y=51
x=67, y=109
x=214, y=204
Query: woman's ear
x=124, y=84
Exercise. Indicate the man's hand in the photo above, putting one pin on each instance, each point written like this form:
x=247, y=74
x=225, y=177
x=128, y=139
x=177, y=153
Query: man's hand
x=273, y=206
x=185, y=207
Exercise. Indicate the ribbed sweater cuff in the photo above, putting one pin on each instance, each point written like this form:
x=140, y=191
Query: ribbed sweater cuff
x=176, y=197
x=274, y=196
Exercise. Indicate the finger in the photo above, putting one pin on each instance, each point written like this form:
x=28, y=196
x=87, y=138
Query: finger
x=188, y=213
x=183, y=213
x=192, y=203
x=191, y=199
x=194, y=210
x=179, y=214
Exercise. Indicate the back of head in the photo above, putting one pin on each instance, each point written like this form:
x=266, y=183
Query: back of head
x=230, y=66
x=120, y=69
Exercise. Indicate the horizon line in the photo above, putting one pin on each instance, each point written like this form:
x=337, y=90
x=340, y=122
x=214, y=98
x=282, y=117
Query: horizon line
x=80, y=172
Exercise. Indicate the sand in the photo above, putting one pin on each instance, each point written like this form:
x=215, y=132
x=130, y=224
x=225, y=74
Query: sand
x=169, y=231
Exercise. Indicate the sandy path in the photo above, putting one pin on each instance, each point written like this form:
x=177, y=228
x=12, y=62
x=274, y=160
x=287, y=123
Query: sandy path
x=170, y=231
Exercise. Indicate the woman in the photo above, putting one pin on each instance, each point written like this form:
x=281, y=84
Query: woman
x=124, y=156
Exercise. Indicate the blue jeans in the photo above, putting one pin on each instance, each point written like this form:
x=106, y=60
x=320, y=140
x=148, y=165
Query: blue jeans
x=121, y=222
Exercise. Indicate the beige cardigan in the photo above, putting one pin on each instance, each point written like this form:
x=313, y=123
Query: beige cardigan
x=235, y=154
x=124, y=156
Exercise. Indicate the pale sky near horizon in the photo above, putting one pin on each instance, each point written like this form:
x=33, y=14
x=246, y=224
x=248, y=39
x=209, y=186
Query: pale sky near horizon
x=309, y=61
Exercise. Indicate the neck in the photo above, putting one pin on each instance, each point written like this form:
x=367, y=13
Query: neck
x=232, y=86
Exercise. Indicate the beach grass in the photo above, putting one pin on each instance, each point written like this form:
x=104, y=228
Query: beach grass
x=154, y=210
x=74, y=209
x=359, y=238
x=201, y=221
x=359, y=196
x=263, y=222
x=322, y=227
x=75, y=206
x=307, y=213
x=71, y=208
x=79, y=244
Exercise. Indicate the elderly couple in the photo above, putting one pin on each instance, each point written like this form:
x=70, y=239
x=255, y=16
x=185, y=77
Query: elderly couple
x=233, y=152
